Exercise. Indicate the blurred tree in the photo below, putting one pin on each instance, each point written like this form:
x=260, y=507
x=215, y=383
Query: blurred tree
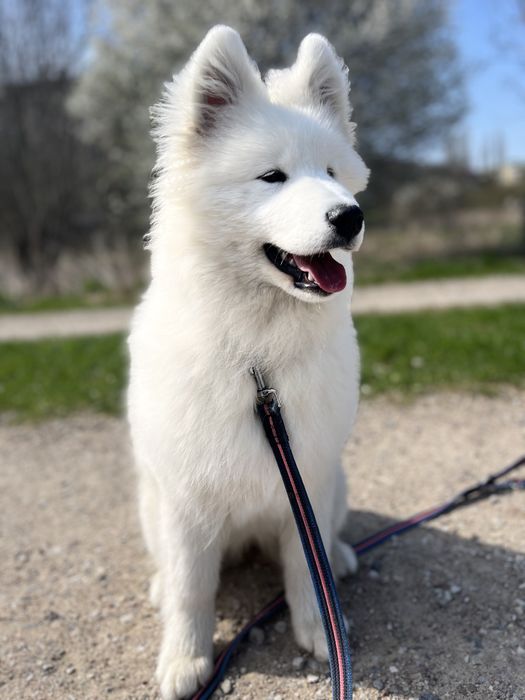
x=407, y=88
x=42, y=163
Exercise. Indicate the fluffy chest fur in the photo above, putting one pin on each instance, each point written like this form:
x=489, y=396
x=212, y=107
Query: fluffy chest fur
x=191, y=395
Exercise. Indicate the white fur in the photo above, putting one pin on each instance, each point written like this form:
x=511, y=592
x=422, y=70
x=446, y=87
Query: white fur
x=216, y=306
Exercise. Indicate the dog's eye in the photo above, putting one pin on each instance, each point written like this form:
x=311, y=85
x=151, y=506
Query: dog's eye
x=330, y=171
x=274, y=176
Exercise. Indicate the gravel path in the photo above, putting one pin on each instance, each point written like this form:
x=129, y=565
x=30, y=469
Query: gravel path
x=385, y=298
x=60, y=324
x=439, y=613
x=440, y=294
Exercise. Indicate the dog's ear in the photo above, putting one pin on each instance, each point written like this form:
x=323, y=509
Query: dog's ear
x=223, y=74
x=324, y=75
x=318, y=79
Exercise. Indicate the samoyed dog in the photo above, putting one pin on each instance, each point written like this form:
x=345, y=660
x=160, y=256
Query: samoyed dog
x=253, y=227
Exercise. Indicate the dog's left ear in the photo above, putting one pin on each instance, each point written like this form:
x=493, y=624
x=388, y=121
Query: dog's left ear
x=318, y=78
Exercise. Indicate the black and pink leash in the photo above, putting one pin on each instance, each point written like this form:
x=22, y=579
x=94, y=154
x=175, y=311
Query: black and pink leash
x=269, y=411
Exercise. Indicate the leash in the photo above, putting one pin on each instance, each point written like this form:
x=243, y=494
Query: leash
x=320, y=572
x=268, y=408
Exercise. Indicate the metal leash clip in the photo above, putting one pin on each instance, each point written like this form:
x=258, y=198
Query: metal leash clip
x=264, y=394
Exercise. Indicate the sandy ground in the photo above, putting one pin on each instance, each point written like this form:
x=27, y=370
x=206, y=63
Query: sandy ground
x=439, y=294
x=439, y=613
x=60, y=324
x=385, y=298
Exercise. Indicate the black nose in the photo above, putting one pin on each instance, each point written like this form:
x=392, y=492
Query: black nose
x=347, y=221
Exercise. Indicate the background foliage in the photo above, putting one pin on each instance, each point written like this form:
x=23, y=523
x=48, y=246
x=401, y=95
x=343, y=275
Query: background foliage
x=77, y=78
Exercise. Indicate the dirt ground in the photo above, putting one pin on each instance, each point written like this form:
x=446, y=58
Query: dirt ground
x=438, y=613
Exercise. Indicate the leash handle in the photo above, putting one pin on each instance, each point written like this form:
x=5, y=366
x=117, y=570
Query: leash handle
x=269, y=411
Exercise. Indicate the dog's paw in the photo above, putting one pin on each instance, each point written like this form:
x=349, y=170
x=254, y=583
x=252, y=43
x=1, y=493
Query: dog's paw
x=344, y=559
x=310, y=636
x=180, y=676
x=155, y=590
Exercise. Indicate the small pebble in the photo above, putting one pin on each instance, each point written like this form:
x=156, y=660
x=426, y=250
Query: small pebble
x=443, y=597
x=312, y=678
x=51, y=616
x=393, y=669
x=70, y=670
x=298, y=663
x=256, y=636
x=48, y=668
x=281, y=627
x=226, y=686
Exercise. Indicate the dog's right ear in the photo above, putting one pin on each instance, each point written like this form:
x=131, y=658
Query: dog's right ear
x=223, y=74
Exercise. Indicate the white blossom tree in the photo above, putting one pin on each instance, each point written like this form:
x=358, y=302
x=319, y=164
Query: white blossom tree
x=406, y=86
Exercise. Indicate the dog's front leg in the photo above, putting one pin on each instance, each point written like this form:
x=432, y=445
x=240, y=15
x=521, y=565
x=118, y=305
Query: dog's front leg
x=190, y=577
x=300, y=594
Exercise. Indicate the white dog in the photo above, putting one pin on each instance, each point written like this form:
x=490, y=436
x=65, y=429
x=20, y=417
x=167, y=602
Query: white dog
x=253, y=219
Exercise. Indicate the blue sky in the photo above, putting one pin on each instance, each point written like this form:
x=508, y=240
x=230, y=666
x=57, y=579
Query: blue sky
x=491, y=40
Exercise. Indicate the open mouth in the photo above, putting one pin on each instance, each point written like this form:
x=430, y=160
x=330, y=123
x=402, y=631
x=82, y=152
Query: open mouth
x=319, y=274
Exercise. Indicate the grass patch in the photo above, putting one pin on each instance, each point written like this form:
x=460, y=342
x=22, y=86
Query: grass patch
x=89, y=300
x=469, y=349
x=474, y=265
x=474, y=349
x=50, y=378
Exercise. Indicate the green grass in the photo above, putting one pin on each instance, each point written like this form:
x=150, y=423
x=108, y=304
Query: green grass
x=475, y=265
x=89, y=300
x=50, y=378
x=473, y=349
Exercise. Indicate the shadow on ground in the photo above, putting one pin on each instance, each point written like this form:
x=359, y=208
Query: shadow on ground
x=431, y=613
x=434, y=614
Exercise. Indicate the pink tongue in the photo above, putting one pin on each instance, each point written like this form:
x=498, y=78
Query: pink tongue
x=327, y=272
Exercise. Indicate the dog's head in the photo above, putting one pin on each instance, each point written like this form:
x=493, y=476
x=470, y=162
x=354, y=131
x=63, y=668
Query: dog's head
x=266, y=169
